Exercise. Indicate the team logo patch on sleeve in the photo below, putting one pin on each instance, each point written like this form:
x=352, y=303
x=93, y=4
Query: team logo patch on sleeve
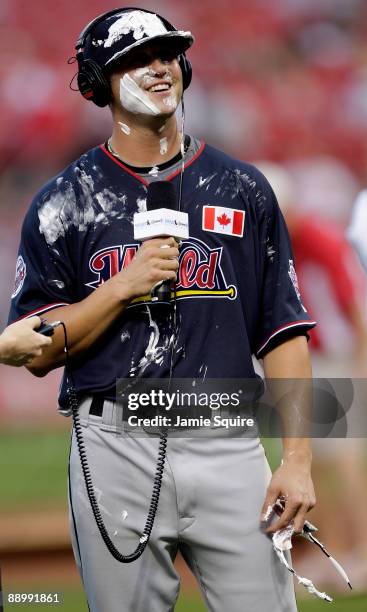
x=20, y=274
x=223, y=220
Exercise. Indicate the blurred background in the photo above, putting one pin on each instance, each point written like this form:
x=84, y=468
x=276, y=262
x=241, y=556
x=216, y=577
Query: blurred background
x=281, y=84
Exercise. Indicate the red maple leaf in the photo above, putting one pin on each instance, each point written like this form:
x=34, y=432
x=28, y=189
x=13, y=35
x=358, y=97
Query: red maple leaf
x=223, y=220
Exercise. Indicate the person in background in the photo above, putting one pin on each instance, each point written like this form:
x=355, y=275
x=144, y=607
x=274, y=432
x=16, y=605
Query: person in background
x=357, y=229
x=20, y=343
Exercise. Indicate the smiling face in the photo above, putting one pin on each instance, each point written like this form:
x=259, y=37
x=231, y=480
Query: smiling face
x=148, y=82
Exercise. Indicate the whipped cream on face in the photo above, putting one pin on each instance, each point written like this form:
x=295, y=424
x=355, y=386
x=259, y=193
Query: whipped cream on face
x=171, y=101
x=134, y=95
x=135, y=99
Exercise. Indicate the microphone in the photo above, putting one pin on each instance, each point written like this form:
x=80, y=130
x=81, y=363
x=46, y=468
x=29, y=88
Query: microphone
x=161, y=219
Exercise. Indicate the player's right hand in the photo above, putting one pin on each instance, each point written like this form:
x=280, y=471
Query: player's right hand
x=20, y=344
x=155, y=261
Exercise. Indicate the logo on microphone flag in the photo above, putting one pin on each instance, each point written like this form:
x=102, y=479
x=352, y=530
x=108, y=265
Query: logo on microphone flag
x=223, y=220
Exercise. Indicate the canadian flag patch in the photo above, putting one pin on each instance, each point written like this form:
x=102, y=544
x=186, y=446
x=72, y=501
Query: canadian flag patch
x=223, y=220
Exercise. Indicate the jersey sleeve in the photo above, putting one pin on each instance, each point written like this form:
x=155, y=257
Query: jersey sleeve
x=44, y=272
x=282, y=314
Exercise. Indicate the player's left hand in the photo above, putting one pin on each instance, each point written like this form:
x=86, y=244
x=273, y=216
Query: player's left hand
x=292, y=481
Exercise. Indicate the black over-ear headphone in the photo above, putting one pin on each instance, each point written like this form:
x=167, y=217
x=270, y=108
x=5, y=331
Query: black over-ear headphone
x=92, y=82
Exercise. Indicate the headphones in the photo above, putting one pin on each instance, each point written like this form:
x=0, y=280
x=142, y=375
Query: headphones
x=92, y=82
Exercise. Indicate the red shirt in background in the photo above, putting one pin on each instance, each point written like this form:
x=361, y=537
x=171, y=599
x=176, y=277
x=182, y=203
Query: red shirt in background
x=327, y=268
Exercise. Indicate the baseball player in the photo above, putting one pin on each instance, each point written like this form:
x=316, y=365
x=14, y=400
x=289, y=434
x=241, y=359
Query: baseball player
x=20, y=344
x=236, y=296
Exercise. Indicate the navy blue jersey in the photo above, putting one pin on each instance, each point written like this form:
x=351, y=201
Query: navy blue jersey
x=237, y=292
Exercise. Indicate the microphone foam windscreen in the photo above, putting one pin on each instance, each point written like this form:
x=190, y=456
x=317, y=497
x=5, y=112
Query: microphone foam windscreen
x=161, y=194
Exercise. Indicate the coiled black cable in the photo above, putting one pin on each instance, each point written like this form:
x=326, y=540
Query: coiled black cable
x=157, y=483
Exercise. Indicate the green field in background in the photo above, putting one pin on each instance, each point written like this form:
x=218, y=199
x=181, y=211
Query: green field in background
x=74, y=601
x=33, y=468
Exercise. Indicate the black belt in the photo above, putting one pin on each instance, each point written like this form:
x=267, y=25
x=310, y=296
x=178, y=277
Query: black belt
x=96, y=407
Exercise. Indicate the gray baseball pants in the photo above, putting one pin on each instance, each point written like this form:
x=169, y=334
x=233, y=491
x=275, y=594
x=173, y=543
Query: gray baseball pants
x=212, y=492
